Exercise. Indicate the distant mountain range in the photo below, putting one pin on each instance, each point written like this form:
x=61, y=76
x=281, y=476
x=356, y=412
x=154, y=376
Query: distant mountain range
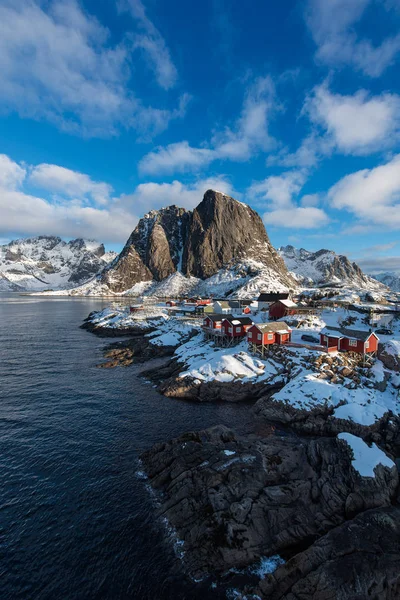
x=390, y=279
x=219, y=248
x=326, y=268
x=47, y=262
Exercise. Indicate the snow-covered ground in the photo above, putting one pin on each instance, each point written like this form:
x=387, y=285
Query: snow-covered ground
x=376, y=392
x=365, y=458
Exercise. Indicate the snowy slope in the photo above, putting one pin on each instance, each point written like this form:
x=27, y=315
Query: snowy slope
x=47, y=262
x=244, y=279
x=326, y=267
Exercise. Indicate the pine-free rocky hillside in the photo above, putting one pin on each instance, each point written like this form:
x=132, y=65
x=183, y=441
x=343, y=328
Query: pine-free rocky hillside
x=222, y=242
x=48, y=262
x=326, y=267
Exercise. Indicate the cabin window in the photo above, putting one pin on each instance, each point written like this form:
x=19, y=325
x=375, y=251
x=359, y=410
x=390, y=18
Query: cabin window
x=259, y=336
x=237, y=329
x=270, y=336
x=367, y=344
x=326, y=339
x=230, y=329
x=353, y=343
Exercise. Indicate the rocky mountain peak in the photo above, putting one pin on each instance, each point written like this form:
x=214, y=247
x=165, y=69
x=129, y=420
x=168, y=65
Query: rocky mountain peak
x=218, y=232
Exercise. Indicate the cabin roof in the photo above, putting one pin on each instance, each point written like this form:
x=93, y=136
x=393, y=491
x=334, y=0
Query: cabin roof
x=277, y=327
x=272, y=296
x=239, y=320
x=288, y=303
x=218, y=317
x=352, y=334
x=223, y=303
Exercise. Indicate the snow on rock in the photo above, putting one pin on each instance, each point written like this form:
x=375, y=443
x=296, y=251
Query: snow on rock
x=48, y=262
x=365, y=458
x=205, y=363
x=326, y=267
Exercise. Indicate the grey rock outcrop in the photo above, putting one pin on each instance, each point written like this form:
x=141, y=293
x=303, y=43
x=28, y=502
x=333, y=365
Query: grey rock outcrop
x=219, y=232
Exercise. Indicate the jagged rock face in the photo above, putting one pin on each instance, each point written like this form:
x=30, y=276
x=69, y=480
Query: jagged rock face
x=219, y=232
x=48, y=262
x=324, y=267
x=153, y=251
x=223, y=229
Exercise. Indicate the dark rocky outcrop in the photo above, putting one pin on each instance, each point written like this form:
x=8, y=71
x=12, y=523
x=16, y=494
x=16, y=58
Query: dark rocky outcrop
x=187, y=388
x=355, y=561
x=233, y=499
x=219, y=232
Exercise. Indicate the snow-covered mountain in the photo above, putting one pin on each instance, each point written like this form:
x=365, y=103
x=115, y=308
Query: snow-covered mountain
x=390, y=279
x=326, y=267
x=47, y=262
x=220, y=247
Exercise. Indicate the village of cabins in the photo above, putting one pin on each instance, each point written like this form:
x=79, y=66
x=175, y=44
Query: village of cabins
x=227, y=322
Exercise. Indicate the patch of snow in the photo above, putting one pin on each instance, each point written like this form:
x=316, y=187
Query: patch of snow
x=365, y=458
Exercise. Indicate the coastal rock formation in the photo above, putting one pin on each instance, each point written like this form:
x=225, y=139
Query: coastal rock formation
x=233, y=500
x=326, y=267
x=356, y=560
x=320, y=421
x=220, y=232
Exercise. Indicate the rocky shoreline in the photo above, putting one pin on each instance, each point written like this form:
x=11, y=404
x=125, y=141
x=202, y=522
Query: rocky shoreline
x=233, y=500
x=298, y=499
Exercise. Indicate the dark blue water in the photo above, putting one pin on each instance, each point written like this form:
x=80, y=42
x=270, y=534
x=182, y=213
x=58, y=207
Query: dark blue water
x=75, y=520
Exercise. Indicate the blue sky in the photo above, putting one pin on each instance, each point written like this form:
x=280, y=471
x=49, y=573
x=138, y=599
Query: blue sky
x=111, y=108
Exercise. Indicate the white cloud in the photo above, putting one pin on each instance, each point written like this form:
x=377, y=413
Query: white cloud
x=69, y=183
x=59, y=64
x=249, y=135
x=11, y=174
x=83, y=207
x=297, y=217
x=332, y=22
x=153, y=45
x=355, y=124
x=373, y=195
x=251, y=132
x=279, y=190
x=381, y=264
x=359, y=125
x=147, y=196
x=279, y=193
x=179, y=156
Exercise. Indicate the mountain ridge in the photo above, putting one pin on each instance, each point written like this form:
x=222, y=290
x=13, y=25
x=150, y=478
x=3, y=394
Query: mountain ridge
x=42, y=262
x=325, y=267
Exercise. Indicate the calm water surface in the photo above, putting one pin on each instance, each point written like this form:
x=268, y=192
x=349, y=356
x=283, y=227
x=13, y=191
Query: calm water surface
x=75, y=520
